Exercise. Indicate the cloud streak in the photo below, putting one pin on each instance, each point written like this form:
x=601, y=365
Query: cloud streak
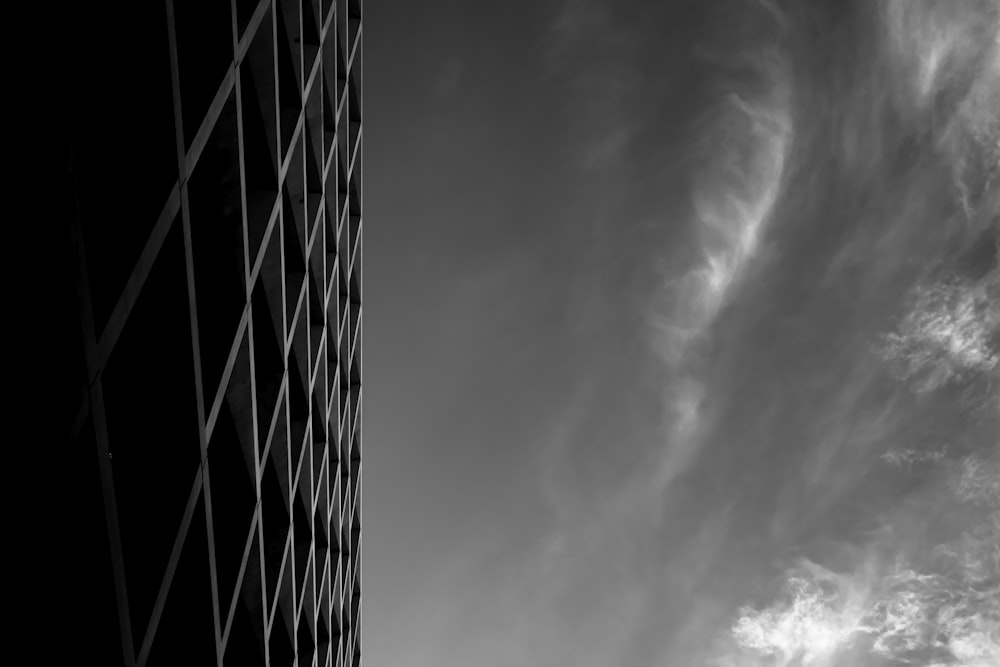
x=747, y=141
x=948, y=55
x=733, y=201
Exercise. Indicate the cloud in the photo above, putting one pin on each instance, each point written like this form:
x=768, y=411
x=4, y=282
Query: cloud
x=947, y=334
x=939, y=617
x=927, y=596
x=944, y=610
x=747, y=139
x=935, y=42
x=947, y=54
x=979, y=481
x=591, y=55
x=808, y=624
x=909, y=616
x=908, y=456
x=733, y=202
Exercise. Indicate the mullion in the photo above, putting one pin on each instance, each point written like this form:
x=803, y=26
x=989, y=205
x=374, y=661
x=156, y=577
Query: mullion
x=338, y=26
x=186, y=164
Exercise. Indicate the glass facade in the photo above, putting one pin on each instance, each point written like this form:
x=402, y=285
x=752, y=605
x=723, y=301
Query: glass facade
x=214, y=177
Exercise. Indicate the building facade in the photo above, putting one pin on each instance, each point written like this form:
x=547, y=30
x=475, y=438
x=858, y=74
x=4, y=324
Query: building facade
x=213, y=175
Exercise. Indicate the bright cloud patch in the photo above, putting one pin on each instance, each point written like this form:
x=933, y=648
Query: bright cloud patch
x=914, y=618
x=810, y=624
x=947, y=613
x=947, y=335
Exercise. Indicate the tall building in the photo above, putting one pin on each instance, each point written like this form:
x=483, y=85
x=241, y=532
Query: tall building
x=213, y=214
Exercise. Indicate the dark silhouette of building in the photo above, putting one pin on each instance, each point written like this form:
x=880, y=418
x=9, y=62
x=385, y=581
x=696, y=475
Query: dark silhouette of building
x=212, y=218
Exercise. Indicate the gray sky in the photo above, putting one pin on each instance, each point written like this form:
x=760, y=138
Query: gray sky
x=682, y=333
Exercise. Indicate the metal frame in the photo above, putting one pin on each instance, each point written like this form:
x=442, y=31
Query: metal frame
x=304, y=283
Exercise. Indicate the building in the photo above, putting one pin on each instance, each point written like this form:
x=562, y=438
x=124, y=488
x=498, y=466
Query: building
x=213, y=207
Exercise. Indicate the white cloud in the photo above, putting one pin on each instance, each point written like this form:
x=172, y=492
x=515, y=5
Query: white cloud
x=911, y=617
x=809, y=625
x=947, y=333
x=943, y=612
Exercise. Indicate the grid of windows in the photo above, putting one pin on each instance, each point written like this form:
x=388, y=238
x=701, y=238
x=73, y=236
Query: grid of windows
x=216, y=167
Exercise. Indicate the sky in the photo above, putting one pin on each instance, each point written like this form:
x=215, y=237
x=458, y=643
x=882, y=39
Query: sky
x=682, y=333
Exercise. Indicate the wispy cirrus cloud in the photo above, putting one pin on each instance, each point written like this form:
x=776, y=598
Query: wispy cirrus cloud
x=933, y=42
x=747, y=139
x=746, y=133
x=748, y=144
x=948, y=56
x=748, y=136
x=592, y=56
x=597, y=570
